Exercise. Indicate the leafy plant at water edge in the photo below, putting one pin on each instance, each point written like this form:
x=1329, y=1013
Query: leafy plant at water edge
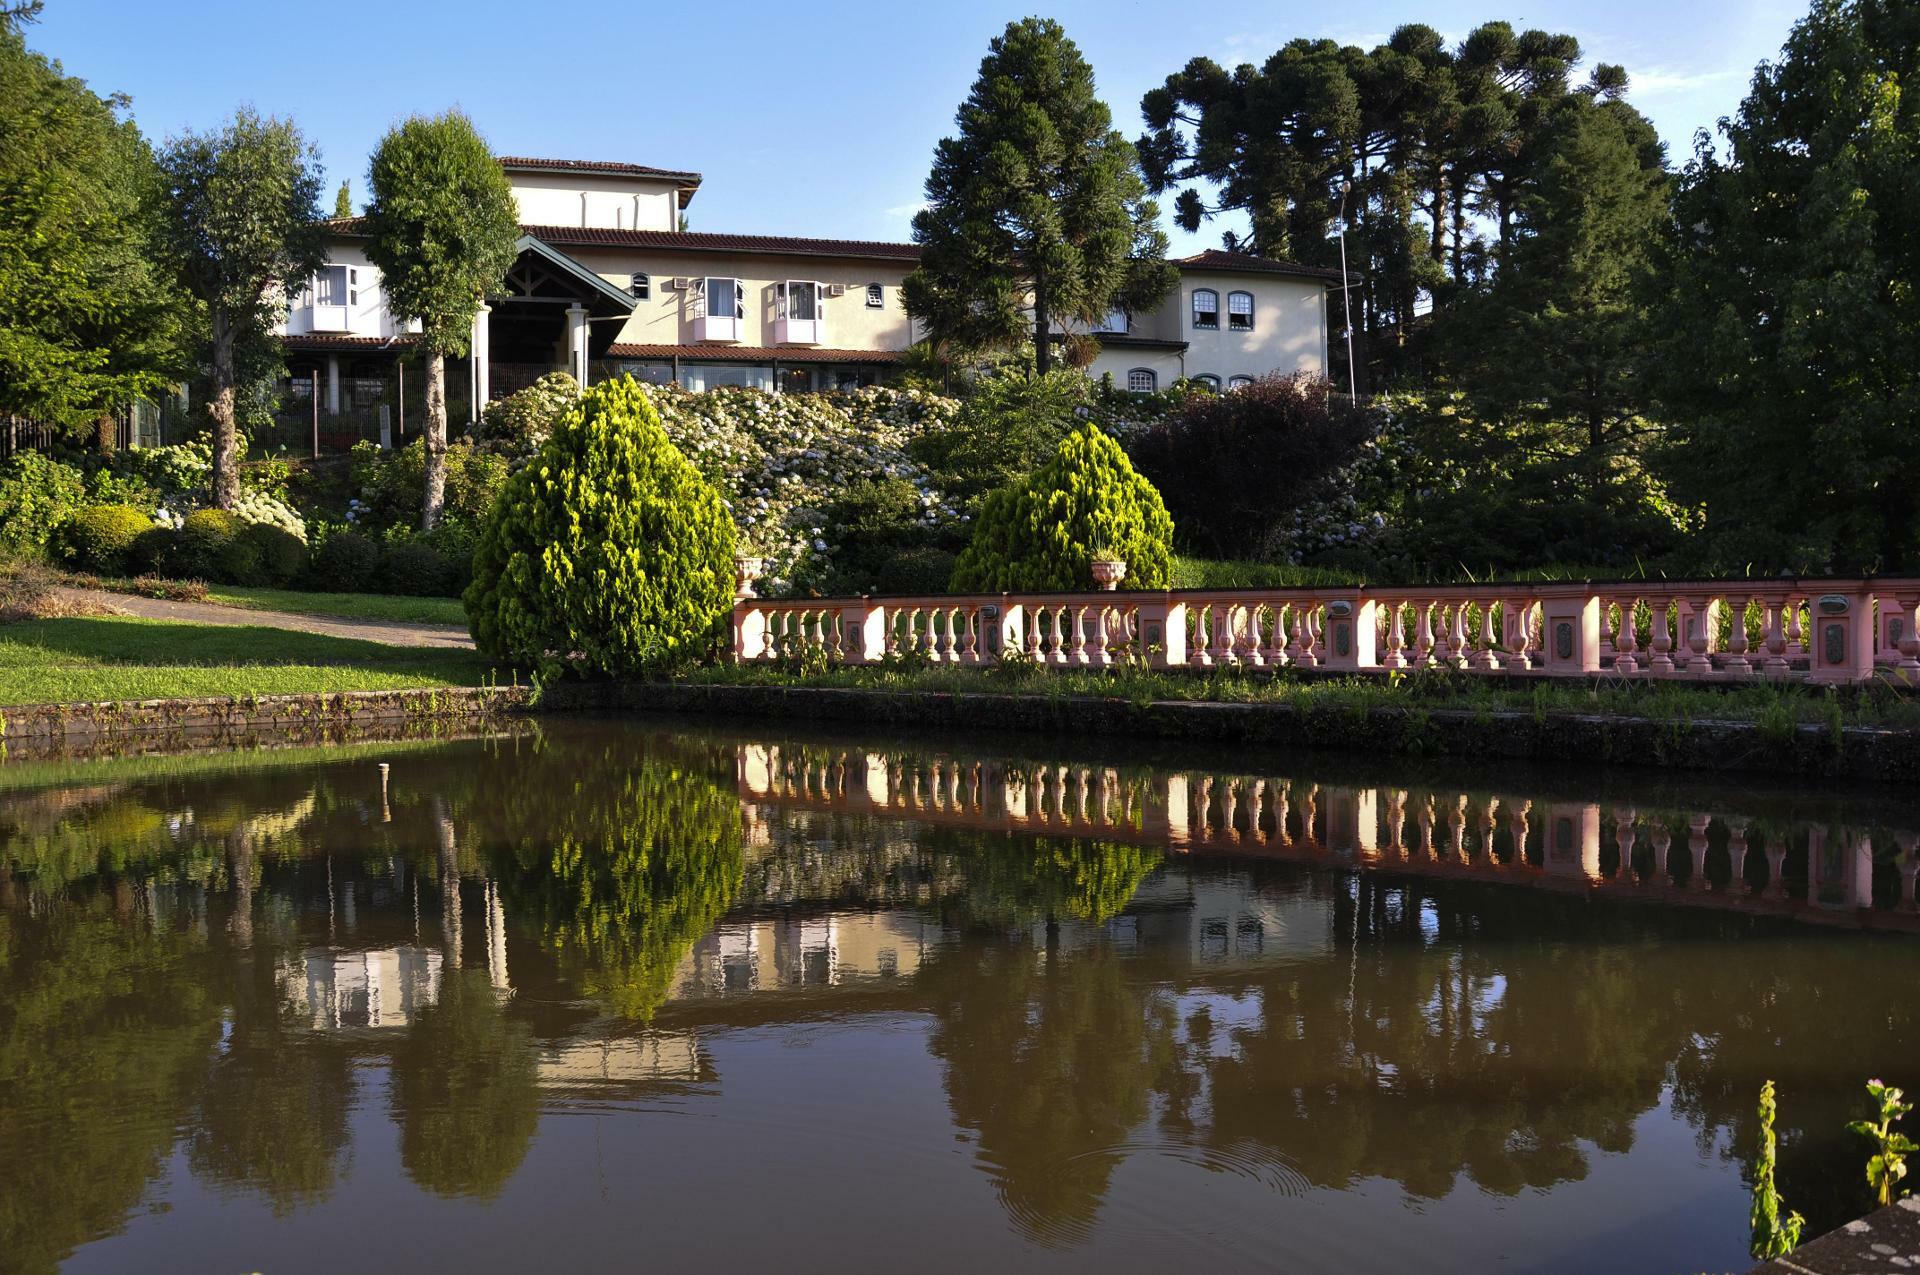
x=1772, y=1235
x=1888, y=1164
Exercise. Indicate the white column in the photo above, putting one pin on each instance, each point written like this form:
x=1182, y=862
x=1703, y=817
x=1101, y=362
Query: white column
x=333, y=384
x=477, y=360
x=577, y=342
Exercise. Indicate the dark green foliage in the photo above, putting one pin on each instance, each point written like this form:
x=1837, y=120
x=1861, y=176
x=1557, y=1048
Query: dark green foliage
x=282, y=555
x=1036, y=209
x=37, y=495
x=1231, y=467
x=88, y=320
x=412, y=568
x=1794, y=347
x=209, y=546
x=101, y=538
x=392, y=485
x=344, y=562
x=1044, y=533
x=608, y=551
x=885, y=544
x=1008, y=426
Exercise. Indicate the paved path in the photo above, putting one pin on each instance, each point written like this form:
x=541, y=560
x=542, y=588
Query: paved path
x=392, y=632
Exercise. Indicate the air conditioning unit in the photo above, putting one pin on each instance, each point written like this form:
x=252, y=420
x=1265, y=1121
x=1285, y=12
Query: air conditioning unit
x=681, y=283
x=836, y=289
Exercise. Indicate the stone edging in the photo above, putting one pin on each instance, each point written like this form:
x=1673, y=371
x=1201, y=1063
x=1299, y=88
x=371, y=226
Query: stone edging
x=1864, y=754
x=217, y=718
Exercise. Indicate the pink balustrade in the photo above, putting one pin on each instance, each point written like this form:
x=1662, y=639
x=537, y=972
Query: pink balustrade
x=1818, y=630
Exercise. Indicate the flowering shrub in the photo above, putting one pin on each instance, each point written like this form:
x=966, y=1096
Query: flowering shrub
x=520, y=422
x=783, y=461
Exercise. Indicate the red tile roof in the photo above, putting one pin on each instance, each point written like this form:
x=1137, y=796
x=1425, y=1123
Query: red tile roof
x=689, y=241
x=689, y=182
x=1248, y=263
x=751, y=354
x=330, y=341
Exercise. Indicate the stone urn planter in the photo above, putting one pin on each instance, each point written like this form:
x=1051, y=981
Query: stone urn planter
x=746, y=569
x=1108, y=573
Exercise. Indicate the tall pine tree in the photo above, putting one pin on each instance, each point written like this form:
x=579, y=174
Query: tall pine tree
x=1037, y=216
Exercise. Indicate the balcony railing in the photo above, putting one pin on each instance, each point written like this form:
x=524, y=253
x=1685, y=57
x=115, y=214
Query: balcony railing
x=1815, y=630
x=323, y=317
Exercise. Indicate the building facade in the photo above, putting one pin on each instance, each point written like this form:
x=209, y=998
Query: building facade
x=606, y=282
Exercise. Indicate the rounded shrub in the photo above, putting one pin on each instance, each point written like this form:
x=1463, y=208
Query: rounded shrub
x=1087, y=502
x=345, y=562
x=282, y=555
x=208, y=546
x=101, y=538
x=416, y=569
x=607, y=551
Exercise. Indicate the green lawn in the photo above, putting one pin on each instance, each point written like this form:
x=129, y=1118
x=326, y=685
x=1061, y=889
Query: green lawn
x=94, y=658
x=346, y=606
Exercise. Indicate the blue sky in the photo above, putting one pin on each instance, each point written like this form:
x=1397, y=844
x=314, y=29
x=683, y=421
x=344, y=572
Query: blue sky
x=805, y=118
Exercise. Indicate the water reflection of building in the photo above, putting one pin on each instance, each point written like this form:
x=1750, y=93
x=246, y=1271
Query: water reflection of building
x=585, y=1063
x=330, y=989
x=806, y=950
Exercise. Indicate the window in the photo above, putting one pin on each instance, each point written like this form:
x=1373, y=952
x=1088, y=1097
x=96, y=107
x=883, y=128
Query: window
x=1240, y=311
x=876, y=297
x=798, y=300
x=1141, y=380
x=337, y=285
x=1118, y=321
x=1209, y=380
x=1239, y=382
x=1206, y=308
x=726, y=299
x=640, y=286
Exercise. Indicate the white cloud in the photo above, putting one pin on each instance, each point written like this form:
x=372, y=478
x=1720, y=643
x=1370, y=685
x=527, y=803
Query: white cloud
x=905, y=212
x=1657, y=81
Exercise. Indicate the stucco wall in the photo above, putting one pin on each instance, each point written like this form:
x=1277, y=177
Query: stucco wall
x=617, y=203
x=1164, y=364
x=1289, y=328
x=367, y=317
x=666, y=316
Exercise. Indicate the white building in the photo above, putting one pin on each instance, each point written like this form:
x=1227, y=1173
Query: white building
x=606, y=282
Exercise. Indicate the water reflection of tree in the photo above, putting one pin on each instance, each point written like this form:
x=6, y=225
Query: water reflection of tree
x=465, y=1090
x=1021, y=880
x=624, y=855
x=1050, y=1063
x=105, y=1022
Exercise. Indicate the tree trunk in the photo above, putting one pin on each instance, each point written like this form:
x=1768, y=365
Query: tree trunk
x=1042, y=344
x=106, y=434
x=436, y=498
x=226, y=430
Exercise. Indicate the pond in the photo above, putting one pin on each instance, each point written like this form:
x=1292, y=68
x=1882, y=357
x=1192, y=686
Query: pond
x=595, y=995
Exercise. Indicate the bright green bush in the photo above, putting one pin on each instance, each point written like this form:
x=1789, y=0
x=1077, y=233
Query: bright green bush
x=608, y=550
x=100, y=538
x=1086, y=502
x=344, y=562
x=393, y=484
x=282, y=555
x=37, y=496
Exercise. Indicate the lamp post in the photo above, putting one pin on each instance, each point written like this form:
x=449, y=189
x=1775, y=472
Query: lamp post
x=1346, y=287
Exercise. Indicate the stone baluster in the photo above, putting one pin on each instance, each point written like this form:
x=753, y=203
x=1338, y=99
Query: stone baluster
x=1423, y=635
x=1736, y=664
x=1077, y=618
x=1737, y=855
x=1697, y=850
x=1690, y=652
x=1277, y=646
x=1461, y=654
x=1626, y=641
x=970, y=635
x=1661, y=665
x=1312, y=645
x=1662, y=837
x=1396, y=656
x=1908, y=644
x=1775, y=639
x=1518, y=619
x=1059, y=649
x=1776, y=867
x=1517, y=812
x=1223, y=617
x=1606, y=628
x=1443, y=647
x=1485, y=652
x=1624, y=836
x=1796, y=632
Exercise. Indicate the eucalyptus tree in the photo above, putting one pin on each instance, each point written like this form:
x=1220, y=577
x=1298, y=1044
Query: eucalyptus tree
x=1036, y=211
x=442, y=228
x=244, y=233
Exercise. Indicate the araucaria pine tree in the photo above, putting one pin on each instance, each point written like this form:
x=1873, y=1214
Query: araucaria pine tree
x=1037, y=215
x=442, y=228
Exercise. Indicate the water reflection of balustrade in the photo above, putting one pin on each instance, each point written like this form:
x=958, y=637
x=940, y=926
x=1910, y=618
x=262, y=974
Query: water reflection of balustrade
x=1806, y=629
x=1697, y=856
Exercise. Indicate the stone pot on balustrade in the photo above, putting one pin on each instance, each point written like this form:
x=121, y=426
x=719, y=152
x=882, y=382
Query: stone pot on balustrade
x=1108, y=573
x=746, y=569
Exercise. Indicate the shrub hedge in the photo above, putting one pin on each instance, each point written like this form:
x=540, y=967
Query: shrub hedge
x=101, y=538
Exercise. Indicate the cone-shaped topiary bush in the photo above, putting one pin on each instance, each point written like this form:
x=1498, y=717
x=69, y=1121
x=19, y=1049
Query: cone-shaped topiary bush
x=607, y=552
x=1086, y=502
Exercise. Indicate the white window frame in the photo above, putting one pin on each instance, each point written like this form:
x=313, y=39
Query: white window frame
x=349, y=277
x=876, y=297
x=739, y=296
x=640, y=285
x=783, y=295
x=1152, y=379
x=1239, y=381
x=1234, y=316
x=1213, y=313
